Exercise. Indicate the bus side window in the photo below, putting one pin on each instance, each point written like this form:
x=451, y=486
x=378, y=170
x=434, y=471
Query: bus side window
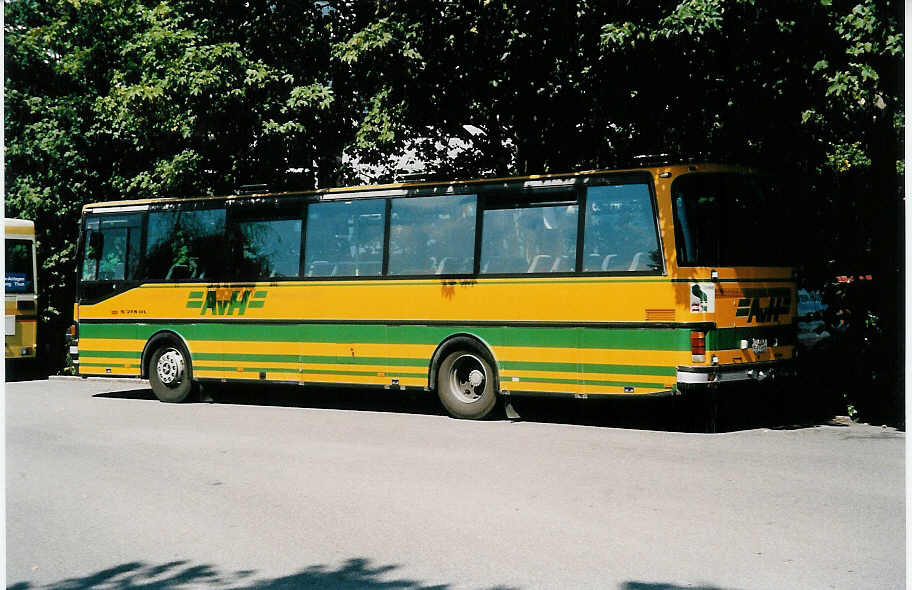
x=265, y=237
x=432, y=235
x=344, y=238
x=620, y=230
x=525, y=238
x=186, y=242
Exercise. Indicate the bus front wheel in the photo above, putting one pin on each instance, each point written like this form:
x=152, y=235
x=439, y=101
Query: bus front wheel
x=465, y=384
x=170, y=373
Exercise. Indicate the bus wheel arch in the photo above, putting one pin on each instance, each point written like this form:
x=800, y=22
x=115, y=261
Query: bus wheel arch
x=463, y=372
x=166, y=362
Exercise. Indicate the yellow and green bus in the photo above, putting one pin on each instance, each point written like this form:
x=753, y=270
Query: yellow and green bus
x=648, y=281
x=21, y=293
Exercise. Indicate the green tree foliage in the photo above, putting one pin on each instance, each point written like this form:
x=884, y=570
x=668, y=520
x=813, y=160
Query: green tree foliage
x=113, y=99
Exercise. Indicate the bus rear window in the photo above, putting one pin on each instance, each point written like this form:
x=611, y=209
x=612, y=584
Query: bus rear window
x=724, y=220
x=20, y=277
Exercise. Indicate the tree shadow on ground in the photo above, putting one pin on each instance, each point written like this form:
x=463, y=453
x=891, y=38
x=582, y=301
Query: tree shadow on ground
x=295, y=396
x=738, y=410
x=355, y=574
x=665, y=586
x=24, y=371
x=368, y=399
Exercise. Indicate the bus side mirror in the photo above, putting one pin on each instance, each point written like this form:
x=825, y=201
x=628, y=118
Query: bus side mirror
x=96, y=245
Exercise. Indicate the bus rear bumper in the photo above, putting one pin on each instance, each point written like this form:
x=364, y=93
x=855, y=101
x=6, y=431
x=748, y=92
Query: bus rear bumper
x=746, y=373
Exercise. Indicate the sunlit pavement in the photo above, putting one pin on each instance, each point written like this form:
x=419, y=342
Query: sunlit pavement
x=287, y=488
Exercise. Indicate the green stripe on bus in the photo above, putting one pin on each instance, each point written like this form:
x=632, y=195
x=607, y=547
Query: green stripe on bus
x=194, y=304
x=518, y=384
x=295, y=358
x=674, y=339
x=245, y=369
x=403, y=362
x=196, y=295
x=400, y=362
x=391, y=363
x=117, y=354
x=730, y=338
x=306, y=371
x=588, y=368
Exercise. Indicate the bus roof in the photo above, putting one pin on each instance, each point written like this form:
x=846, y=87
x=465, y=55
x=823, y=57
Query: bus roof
x=22, y=227
x=401, y=189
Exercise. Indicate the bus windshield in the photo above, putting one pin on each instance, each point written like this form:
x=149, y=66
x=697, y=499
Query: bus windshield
x=19, y=270
x=724, y=220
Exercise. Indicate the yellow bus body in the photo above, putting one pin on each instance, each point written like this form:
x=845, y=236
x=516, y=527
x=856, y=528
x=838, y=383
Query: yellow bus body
x=21, y=308
x=577, y=335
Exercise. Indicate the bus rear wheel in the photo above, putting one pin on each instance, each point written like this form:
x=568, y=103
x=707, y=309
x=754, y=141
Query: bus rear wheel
x=465, y=384
x=170, y=373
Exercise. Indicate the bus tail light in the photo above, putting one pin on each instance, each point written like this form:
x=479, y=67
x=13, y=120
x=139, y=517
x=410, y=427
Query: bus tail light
x=698, y=346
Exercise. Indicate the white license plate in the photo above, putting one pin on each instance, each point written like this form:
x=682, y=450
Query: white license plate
x=759, y=345
x=10, y=325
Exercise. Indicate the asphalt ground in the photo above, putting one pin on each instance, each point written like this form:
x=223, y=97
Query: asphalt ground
x=284, y=487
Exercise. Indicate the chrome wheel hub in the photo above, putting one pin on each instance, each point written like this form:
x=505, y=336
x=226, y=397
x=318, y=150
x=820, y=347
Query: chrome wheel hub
x=170, y=367
x=467, y=378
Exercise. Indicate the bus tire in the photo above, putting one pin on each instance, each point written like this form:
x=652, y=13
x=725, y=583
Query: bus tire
x=170, y=373
x=466, y=383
